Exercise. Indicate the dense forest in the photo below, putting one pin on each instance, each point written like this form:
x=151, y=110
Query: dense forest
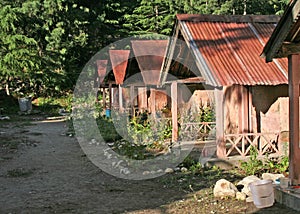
x=46, y=43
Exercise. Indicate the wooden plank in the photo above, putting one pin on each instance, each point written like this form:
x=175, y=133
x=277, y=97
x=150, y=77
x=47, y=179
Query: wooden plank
x=174, y=97
x=294, y=154
x=219, y=100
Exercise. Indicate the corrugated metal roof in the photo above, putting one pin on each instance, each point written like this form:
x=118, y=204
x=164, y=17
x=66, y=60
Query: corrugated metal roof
x=150, y=55
x=119, y=61
x=101, y=70
x=228, y=49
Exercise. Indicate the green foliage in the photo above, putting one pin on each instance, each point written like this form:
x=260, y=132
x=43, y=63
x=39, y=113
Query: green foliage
x=256, y=166
x=158, y=16
x=145, y=130
x=107, y=129
x=52, y=104
x=277, y=165
x=192, y=165
x=131, y=150
x=45, y=44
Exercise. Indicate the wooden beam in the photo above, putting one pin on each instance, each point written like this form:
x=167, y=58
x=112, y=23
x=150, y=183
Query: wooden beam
x=294, y=151
x=219, y=108
x=174, y=97
x=190, y=80
x=289, y=49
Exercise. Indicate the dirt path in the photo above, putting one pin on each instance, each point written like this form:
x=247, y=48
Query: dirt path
x=53, y=175
x=48, y=173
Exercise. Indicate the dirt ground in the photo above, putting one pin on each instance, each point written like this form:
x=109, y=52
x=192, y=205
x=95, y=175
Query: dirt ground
x=44, y=171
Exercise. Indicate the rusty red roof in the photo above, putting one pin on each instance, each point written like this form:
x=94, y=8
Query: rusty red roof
x=150, y=55
x=228, y=48
x=119, y=61
x=101, y=69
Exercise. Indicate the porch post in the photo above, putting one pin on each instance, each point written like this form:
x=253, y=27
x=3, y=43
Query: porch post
x=120, y=99
x=294, y=151
x=132, y=99
x=152, y=104
x=110, y=95
x=221, y=147
x=244, y=110
x=174, y=95
x=142, y=99
x=103, y=97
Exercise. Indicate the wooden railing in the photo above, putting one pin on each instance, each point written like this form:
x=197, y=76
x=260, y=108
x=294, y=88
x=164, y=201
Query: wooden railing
x=240, y=144
x=197, y=130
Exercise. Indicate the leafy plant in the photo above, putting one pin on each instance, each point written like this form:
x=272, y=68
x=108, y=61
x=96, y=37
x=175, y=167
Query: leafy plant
x=192, y=165
x=107, y=129
x=255, y=166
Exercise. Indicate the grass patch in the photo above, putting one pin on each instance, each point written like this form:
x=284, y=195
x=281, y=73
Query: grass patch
x=52, y=105
x=19, y=172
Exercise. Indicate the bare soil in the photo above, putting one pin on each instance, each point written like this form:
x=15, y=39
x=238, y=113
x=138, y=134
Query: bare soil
x=44, y=171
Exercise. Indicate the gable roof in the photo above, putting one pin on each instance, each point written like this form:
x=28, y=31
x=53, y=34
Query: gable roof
x=227, y=48
x=286, y=36
x=150, y=55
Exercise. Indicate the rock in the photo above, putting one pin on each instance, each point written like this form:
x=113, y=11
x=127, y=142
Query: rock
x=159, y=171
x=183, y=169
x=245, y=182
x=240, y=196
x=4, y=117
x=169, y=170
x=177, y=169
x=224, y=188
x=270, y=176
x=249, y=199
x=146, y=173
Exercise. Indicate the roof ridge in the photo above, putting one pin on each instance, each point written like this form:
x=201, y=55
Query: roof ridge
x=228, y=18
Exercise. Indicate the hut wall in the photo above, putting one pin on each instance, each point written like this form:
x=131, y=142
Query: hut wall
x=270, y=108
x=255, y=109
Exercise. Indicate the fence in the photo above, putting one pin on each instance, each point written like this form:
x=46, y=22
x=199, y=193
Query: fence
x=201, y=131
x=240, y=144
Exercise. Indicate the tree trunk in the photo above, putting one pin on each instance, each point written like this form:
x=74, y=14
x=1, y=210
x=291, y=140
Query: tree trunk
x=7, y=89
x=245, y=7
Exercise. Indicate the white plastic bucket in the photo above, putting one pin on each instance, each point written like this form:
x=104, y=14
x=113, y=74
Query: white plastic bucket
x=25, y=104
x=262, y=193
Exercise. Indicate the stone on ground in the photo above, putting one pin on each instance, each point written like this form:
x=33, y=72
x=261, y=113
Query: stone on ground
x=224, y=188
x=270, y=176
x=246, y=181
x=240, y=196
